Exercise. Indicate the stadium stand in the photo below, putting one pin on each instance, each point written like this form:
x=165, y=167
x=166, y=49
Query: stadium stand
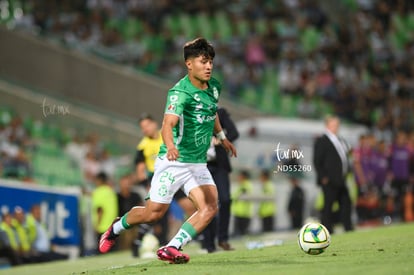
x=323, y=53
x=48, y=154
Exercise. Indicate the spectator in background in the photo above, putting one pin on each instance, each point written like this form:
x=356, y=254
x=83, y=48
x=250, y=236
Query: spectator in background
x=43, y=251
x=400, y=157
x=6, y=251
x=219, y=165
x=267, y=209
x=14, y=160
x=107, y=163
x=271, y=43
x=380, y=166
x=325, y=82
x=306, y=108
x=127, y=199
x=104, y=204
x=255, y=57
x=90, y=167
x=331, y=163
x=235, y=74
x=76, y=149
x=17, y=133
x=410, y=188
x=20, y=226
x=362, y=163
x=296, y=202
x=242, y=210
x=375, y=41
x=368, y=206
x=289, y=79
x=10, y=239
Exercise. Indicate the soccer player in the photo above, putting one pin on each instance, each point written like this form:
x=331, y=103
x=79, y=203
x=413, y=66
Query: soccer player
x=147, y=152
x=189, y=122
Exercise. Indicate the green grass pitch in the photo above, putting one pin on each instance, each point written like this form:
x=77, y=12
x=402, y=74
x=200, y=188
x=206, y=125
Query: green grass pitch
x=384, y=250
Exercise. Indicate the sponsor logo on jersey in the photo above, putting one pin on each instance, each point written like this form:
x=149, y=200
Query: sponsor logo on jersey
x=200, y=140
x=197, y=97
x=173, y=98
x=216, y=94
x=202, y=118
x=171, y=107
x=198, y=107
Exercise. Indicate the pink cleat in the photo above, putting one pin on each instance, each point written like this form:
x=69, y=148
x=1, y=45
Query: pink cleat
x=108, y=238
x=172, y=255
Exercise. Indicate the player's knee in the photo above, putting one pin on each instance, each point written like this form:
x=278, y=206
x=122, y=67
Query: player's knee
x=210, y=211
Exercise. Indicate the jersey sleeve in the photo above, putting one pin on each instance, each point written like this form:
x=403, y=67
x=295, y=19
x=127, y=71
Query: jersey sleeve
x=139, y=157
x=176, y=101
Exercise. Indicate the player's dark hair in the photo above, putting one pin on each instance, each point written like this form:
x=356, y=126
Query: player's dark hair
x=198, y=47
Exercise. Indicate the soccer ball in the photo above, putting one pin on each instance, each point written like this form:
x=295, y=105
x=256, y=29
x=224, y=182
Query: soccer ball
x=314, y=238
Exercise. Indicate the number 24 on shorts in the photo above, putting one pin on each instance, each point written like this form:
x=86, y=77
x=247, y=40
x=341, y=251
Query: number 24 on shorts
x=167, y=177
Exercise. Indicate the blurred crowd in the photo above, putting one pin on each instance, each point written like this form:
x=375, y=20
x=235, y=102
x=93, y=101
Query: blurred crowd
x=15, y=142
x=88, y=153
x=22, y=143
x=356, y=55
x=384, y=175
x=24, y=237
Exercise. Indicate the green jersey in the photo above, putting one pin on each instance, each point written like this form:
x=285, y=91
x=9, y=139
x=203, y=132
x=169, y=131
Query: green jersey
x=197, y=112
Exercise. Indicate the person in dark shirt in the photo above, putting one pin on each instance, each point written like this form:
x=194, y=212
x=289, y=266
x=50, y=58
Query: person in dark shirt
x=296, y=203
x=297, y=197
x=127, y=199
x=380, y=165
x=220, y=168
x=331, y=163
x=400, y=172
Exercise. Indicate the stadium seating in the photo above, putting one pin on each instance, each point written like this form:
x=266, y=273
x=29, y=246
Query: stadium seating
x=50, y=164
x=298, y=26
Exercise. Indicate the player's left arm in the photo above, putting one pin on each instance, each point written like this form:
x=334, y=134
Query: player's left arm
x=218, y=131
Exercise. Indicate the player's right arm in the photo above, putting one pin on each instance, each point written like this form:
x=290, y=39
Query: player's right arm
x=174, y=108
x=168, y=124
